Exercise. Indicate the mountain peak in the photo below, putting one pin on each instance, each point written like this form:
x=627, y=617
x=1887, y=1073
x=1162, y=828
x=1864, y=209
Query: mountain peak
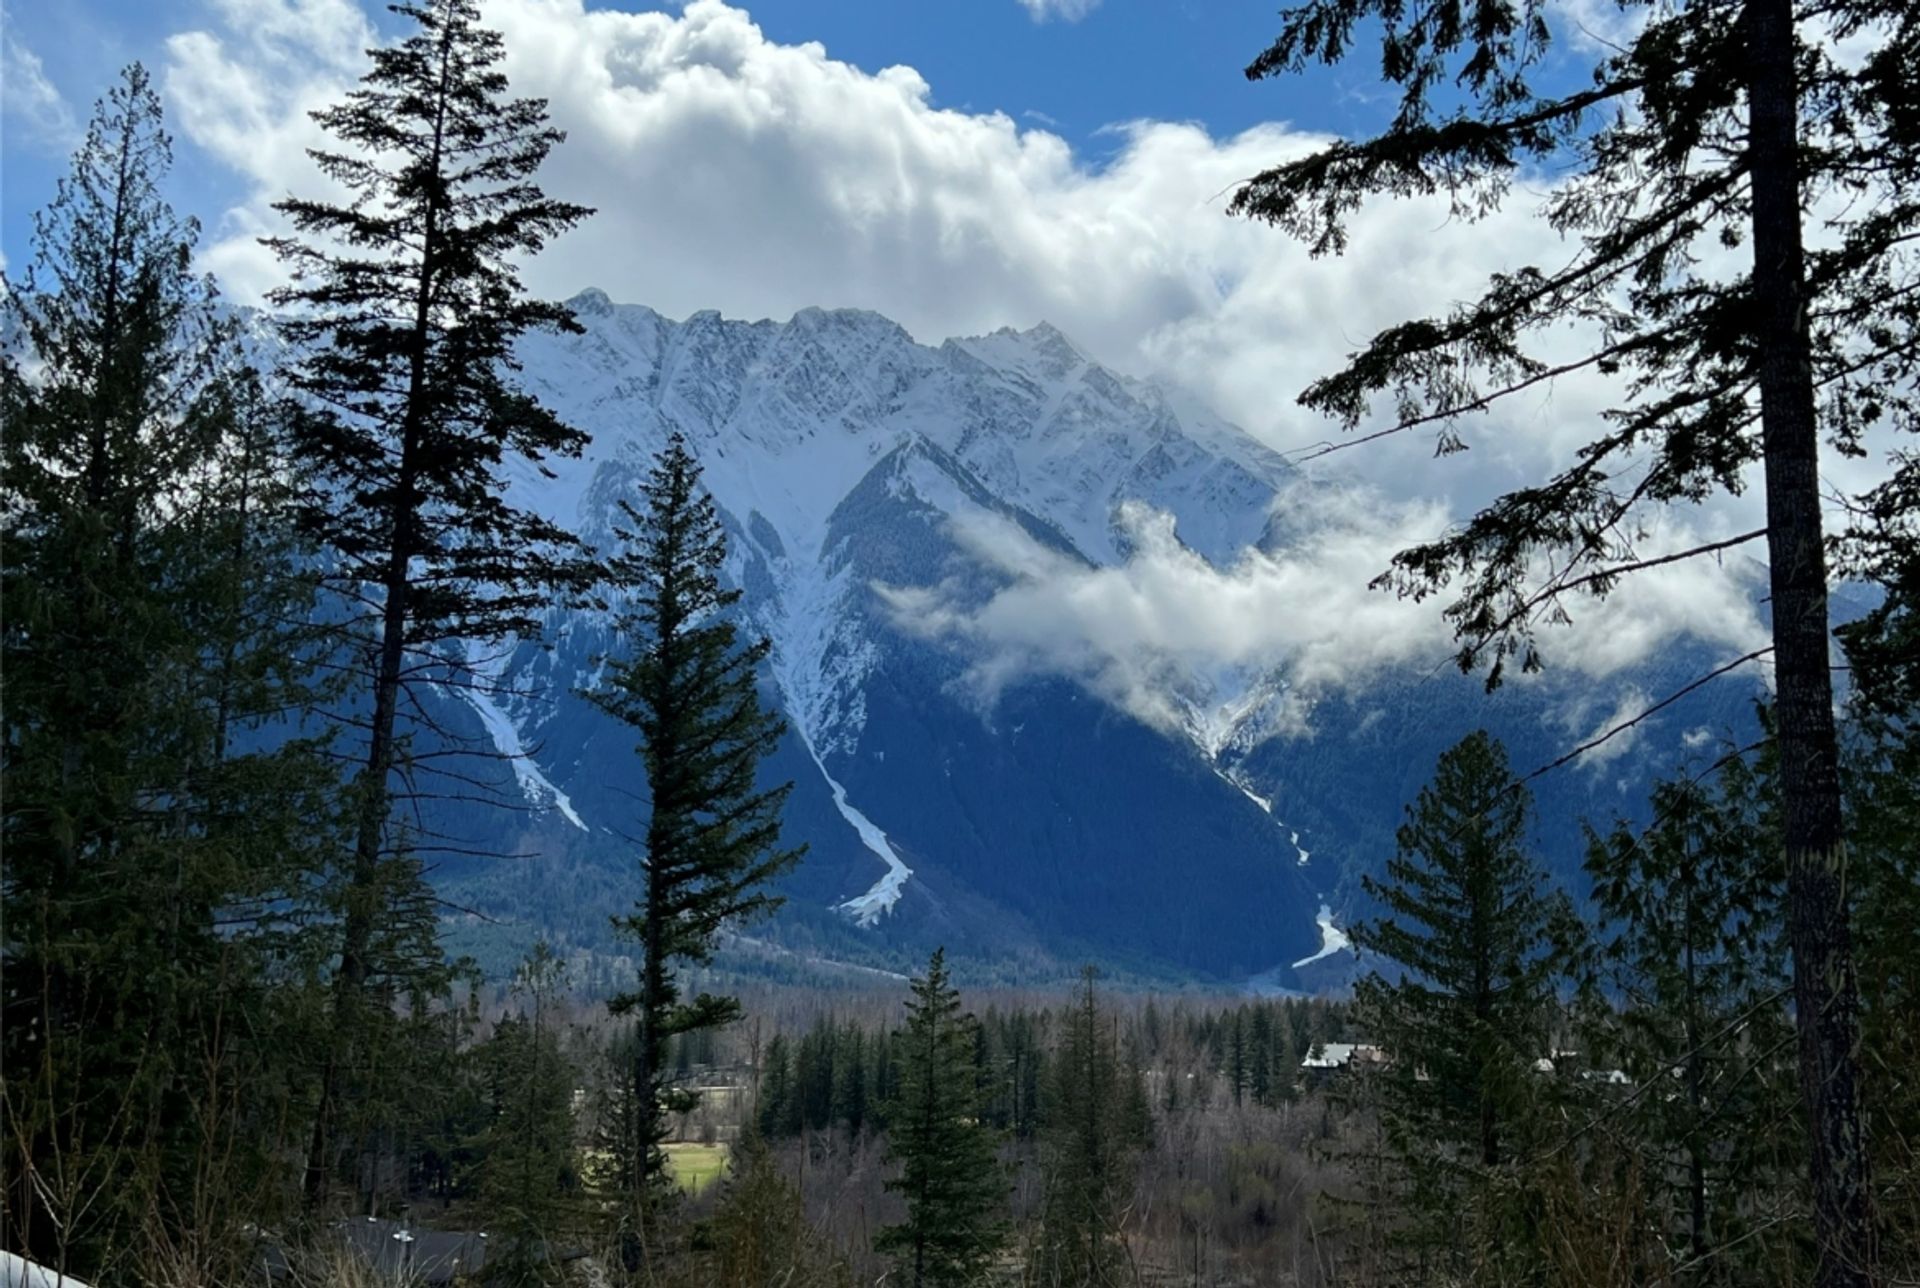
x=593, y=301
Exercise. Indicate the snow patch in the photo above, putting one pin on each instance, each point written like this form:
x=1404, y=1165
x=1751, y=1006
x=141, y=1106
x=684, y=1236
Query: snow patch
x=534, y=785
x=867, y=909
x=1332, y=938
x=1293, y=837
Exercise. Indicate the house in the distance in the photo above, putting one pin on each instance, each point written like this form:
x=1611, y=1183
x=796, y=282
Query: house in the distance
x=1328, y=1060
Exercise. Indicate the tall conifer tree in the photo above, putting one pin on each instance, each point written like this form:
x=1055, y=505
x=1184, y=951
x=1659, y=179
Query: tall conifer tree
x=1471, y=930
x=1692, y=951
x=402, y=314
x=690, y=689
x=1090, y=1149
x=147, y=567
x=950, y=1177
x=1686, y=158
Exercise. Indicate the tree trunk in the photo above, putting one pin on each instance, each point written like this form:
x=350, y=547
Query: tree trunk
x=1826, y=1000
x=397, y=584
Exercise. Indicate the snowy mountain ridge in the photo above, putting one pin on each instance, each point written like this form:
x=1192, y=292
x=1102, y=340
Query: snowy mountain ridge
x=839, y=451
x=1022, y=815
x=788, y=419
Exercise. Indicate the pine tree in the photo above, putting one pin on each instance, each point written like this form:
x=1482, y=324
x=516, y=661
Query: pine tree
x=953, y=1184
x=403, y=311
x=1692, y=951
x=527, y=1161
x=1883, y=768
x=713, y=839
x=760, y=1234
x=1237, y=1072
x=149, y=857
x=1468, y=925
x=850, y=1081
x=778, y=1104
x=1090, y=1149
x=1708, y=127
x=1260, y=1080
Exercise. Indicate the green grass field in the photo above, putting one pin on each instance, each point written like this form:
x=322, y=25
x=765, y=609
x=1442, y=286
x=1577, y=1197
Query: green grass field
x=695, y=1167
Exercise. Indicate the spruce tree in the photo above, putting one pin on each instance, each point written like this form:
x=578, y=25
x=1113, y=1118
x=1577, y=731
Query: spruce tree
x=760, y=1234
x=1260, y=1077
x=1091, y=1144
x=950, y=1177
x=1691, y=951
x=402, y=313
x=1237, y=1070
x=850, y=1081
x=1883, y=771
x=1470, y=933
x=690, y=689
x=155, y=838
x=528, y=1165
x=1685, y=160
x=778, y=1104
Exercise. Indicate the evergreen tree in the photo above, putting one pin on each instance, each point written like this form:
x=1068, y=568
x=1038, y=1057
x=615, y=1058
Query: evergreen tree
x=713, y=839
x=760, y=1233
x=1883, y=764
x=1090, y=1148
x=850, y=1081
x=1471, y=931
x=1692, y=951
x=953, y=1184
x=1260, y=1079
x=1706, y=127
x=779, y=1107
x=528, y=1165
x=403, y=311
x=1237, y=1072
x=151, y=862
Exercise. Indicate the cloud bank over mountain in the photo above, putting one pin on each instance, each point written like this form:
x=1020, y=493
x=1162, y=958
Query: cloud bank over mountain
x=1166, y=628
x=734, y=172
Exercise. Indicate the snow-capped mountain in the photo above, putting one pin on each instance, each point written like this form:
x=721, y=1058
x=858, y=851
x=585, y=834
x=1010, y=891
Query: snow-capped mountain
x=1035, y=818
x=840, y=453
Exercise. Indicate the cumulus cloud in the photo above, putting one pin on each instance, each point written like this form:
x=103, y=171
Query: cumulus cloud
x=37, y=111
x=1166, y=630
x=731, y=171
x=734, y=172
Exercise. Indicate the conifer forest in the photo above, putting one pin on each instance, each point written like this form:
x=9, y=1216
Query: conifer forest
x=504, y=791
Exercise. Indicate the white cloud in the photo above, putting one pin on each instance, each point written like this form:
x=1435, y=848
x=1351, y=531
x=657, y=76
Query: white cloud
x=1167, y=625
x=1166, y=632
x=33, y=106
x=1064, y=10
x=737, y=173
x=734, y=172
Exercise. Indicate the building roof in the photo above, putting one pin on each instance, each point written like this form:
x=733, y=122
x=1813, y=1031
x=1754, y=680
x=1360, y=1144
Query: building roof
x=1337, y=1055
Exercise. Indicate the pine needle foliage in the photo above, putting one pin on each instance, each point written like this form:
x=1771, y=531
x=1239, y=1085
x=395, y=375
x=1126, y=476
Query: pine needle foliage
x=161, y=830
x=402, y=314
x=690, y=689
x=950, y=1176
x=1738, y=186
x=1474, y=943
x=1691, y=950
x=1092, y=1142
